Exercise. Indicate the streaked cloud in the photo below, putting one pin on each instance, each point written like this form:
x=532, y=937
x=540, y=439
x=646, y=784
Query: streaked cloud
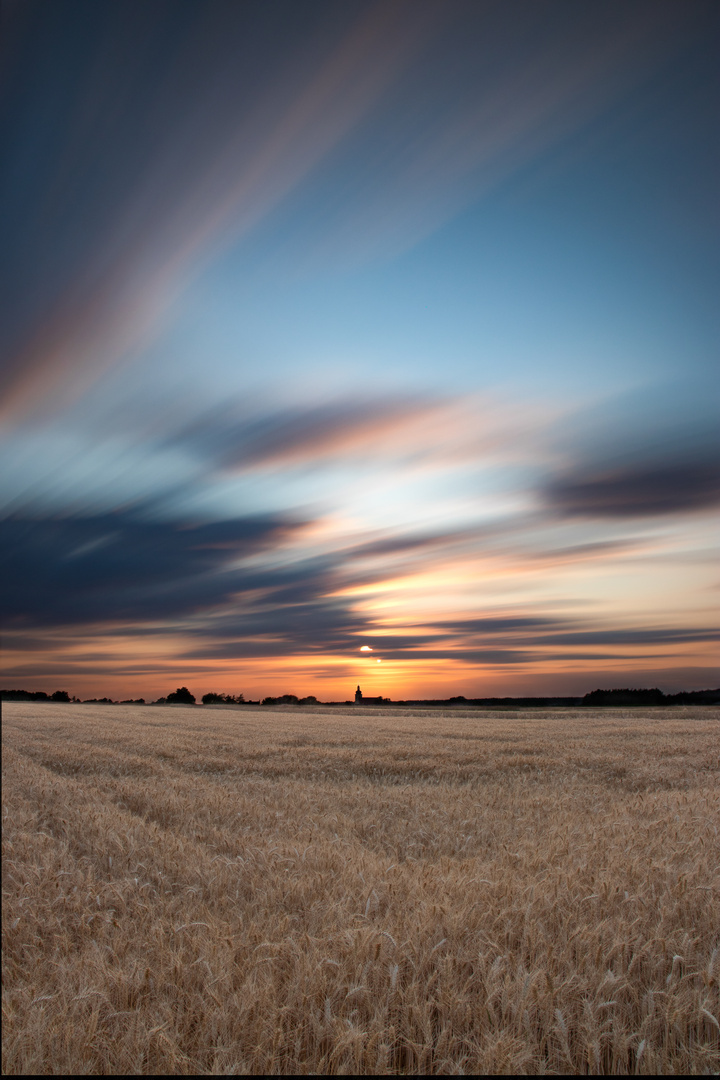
x=642, y=455
x=184, y=167
x=121, y=566
x=507, y=99
x=638, y=491
x=177, y=148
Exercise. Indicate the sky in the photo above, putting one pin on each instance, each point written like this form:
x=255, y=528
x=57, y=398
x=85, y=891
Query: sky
x=359, y=343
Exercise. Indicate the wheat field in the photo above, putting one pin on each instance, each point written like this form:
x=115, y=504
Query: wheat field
x=256, y=890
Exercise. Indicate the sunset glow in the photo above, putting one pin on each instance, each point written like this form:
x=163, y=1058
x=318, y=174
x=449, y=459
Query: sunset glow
x=384, y=321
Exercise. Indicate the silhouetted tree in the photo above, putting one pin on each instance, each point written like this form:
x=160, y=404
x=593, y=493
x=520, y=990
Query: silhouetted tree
x=60, y=695
x=181, y=696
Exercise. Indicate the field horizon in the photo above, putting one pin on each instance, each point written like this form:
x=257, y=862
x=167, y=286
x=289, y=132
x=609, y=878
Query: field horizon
x=239, y=889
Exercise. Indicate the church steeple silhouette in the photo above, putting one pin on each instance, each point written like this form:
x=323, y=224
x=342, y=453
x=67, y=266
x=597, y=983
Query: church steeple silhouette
x=358, y=696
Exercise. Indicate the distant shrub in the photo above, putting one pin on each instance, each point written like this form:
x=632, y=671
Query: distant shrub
x=624, y=696
x=627, y=696
x=23, y=695
x=695, y=697
x=222, y=699
x=60, y=695
x=181, y=696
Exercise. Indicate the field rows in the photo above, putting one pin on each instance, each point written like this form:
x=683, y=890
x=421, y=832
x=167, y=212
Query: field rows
x=253, y=890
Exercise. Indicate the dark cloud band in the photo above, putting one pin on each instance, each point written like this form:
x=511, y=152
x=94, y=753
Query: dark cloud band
x=118, y=566
x=636, y=491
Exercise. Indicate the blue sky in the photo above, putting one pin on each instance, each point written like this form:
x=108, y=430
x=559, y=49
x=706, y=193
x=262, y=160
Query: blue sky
x=388, y=324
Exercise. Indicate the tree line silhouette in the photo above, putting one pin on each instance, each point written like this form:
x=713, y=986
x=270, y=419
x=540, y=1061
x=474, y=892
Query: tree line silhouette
x=622, y=697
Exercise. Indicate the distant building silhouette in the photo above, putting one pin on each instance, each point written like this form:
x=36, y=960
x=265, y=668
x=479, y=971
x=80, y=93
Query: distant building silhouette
x=360, y=700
